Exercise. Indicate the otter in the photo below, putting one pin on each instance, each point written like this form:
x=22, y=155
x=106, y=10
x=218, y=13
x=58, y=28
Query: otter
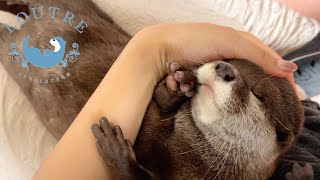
x=172, y=143
x=236, y=126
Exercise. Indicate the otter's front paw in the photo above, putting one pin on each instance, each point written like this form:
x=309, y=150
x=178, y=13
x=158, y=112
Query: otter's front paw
x=172, y=91
x=181, y=81
x=113, y=148
x=117, y=152
x=300, y=173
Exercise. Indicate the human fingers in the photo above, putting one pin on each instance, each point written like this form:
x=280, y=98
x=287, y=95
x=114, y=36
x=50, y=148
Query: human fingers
x=203, y=42
x=256, y=51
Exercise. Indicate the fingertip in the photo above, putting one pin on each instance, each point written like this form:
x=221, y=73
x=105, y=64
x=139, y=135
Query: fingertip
x=281, y=68
x=287, y=66
x=283, y=72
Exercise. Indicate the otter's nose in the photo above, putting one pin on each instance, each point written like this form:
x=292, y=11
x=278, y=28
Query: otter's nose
x=225, y=72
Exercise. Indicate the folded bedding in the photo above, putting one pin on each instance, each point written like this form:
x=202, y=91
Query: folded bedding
x=307, y=149
x=308, y=60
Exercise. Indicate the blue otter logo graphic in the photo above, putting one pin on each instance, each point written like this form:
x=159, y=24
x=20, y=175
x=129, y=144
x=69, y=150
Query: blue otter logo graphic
x=50, y=64
x=49, y=58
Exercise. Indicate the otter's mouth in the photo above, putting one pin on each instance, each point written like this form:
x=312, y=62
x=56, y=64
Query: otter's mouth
x=204, y=85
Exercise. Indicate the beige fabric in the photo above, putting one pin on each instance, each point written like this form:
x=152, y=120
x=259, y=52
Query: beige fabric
x=24, y=141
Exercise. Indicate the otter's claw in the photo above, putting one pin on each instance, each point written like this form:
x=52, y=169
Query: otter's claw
x=180, y=80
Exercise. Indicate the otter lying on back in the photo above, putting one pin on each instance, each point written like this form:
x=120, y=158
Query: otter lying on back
x=236, y=126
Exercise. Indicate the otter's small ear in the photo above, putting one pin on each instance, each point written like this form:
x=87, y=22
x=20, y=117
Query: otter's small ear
x=285, y=137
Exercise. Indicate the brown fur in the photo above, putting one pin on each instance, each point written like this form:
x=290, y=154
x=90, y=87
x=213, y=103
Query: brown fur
x=59, y=103
x=173, y=147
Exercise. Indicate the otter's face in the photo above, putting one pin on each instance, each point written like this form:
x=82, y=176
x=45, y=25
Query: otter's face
x=236, y=100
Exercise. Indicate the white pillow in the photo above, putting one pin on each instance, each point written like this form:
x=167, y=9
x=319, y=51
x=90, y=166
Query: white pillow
x=281, y=28
x=24, y=141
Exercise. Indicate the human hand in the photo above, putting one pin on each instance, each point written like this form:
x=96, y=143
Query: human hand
x=195, y=43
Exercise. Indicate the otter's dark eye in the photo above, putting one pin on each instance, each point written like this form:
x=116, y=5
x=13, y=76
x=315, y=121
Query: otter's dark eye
x=260, y=97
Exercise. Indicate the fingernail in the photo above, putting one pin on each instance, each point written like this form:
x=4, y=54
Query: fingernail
x=287, y=66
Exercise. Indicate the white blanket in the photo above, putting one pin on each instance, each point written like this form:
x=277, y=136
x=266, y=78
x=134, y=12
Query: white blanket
x=24, y=141
x=280, y=28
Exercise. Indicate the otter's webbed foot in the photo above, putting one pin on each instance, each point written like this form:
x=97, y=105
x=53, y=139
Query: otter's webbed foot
x=300, y=172
x=117, y=152
x=175, y=88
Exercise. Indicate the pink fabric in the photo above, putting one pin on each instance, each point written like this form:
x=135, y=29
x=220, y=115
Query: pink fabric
x=309, y=8
x=317, y=99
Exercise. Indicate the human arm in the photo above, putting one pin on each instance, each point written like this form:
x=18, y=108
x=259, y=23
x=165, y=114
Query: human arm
x=126, y=90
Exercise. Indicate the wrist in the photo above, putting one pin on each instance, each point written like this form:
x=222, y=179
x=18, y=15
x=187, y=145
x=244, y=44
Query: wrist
x=150, y=45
